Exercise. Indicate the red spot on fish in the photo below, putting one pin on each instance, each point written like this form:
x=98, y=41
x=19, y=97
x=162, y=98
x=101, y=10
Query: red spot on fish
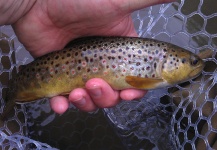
x=73, y=72
x=150, y=57
x=132, y=68
x=105, y=72
x=84, y=76
x=95, y=69
x=37, y=75
x=125, y=59
x=63, y=68
x=83, y=63
x=114, y=66
x=103, y=61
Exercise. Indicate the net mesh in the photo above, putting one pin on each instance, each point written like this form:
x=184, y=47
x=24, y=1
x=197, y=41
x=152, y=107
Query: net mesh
x=181, y=117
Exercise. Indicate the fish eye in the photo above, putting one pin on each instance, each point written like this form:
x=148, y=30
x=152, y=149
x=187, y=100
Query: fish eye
x=194, y=62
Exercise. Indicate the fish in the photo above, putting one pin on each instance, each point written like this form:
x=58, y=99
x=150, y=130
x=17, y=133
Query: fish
x=123, y=62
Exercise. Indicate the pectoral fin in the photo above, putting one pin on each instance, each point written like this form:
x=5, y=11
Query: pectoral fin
x=143, y=83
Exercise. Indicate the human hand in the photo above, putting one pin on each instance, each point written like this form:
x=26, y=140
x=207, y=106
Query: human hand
x=50, y=25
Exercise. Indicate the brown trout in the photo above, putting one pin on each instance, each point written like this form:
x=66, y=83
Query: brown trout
x=123, y=62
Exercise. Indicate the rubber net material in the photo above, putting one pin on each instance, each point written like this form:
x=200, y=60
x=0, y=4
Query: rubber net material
x=181, y=117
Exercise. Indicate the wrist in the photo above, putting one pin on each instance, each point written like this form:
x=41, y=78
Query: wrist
x=12, y=10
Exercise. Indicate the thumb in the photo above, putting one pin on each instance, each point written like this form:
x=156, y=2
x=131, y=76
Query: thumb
x=132, y=5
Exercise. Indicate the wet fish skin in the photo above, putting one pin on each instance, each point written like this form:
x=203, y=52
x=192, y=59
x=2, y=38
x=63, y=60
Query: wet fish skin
x=123, y=62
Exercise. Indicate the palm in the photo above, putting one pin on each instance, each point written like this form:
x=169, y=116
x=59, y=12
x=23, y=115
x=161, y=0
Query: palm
x=56, y=23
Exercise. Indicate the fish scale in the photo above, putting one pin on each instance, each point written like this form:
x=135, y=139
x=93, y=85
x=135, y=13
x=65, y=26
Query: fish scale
x=123, y=62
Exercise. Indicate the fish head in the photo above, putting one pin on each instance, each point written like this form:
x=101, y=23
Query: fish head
x=180, y=66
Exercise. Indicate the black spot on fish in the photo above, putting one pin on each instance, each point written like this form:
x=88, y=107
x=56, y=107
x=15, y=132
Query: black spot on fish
x=139, y=51
x=165, y=50
x=119, y=57
x=129, y=55
x=86, y=59
x=113, y=51
x=95, y=55
x=57, y=57
x=100, y=57
x=79, y=61
x=88, y=69
x=109, y=57
x=138, y=63
x=145, y=59
x=91, y=59
x=48, y=58
x=78, y=68
x=151, y=44
x=183, y=60
x=155, y=65
x=68, y=55
x=76, y=53
x=51, y=62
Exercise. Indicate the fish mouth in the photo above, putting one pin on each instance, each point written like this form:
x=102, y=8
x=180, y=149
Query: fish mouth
x=196, y=71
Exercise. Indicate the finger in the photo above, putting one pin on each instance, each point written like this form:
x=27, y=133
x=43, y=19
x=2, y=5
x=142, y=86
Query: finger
x=101, y=93
x=81, y=99
x=130, y=94
x=132, y=5
x=59, y=104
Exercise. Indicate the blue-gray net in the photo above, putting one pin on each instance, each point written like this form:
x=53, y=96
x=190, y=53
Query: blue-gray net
x=181, y=117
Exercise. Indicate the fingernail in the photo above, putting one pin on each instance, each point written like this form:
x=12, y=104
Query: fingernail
x=95, y=92
x=80, y=102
